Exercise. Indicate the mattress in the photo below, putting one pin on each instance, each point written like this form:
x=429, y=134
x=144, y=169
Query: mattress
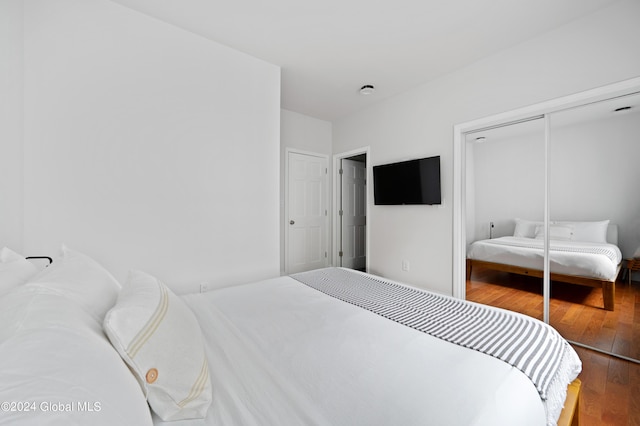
x=282, y=352
x=585, y=259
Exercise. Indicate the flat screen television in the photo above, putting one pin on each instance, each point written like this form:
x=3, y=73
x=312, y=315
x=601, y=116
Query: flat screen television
x=407, y=182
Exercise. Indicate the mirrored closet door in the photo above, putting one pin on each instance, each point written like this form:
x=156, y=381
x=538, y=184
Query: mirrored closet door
x=505, y=193
x=573, y=174
x=594, y=212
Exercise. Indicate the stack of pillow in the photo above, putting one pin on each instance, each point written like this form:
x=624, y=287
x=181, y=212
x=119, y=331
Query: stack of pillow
x=58, y=366
x=585, y=231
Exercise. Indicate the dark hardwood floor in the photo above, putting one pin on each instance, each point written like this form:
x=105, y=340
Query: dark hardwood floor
x=610, y=386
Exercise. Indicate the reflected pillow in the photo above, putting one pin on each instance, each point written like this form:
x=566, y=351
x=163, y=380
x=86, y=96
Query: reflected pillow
x=556, y=232
x=158, y=336
x=593, y=232
x=15, y=270
x=526, y=228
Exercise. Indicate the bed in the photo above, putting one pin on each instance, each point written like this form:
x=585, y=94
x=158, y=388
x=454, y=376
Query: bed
x=583, y=253
x=326, y=347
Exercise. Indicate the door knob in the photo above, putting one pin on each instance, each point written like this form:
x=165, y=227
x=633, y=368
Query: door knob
x=292, y=222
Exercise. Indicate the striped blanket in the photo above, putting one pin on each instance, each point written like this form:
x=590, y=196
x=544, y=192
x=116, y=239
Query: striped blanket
x=608, y=250
x=523, y=342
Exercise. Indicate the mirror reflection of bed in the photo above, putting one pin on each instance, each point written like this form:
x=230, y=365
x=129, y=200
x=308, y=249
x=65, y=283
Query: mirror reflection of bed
x=591, y=175
x=580, y=253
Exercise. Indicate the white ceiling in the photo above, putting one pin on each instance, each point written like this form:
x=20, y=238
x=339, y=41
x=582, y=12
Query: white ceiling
x=328, y=49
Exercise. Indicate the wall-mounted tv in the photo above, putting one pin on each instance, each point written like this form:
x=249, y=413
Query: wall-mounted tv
x=407, y=182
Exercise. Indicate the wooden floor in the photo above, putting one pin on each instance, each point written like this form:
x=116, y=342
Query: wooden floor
x=610, y=386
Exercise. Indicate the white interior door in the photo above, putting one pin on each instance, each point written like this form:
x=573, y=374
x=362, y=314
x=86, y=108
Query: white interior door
x=307, y=241
x=353, y=214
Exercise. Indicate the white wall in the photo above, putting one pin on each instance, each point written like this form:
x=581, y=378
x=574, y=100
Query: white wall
x=11, y=104
x=303, y=133
x=599, y=179
x=508, y=180
x=148, y=147
x=596, y=50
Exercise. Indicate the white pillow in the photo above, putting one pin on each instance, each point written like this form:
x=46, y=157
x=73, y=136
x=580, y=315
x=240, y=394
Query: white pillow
x=8, y=255
x=15, y=270
x=58, y=364
x=556, y=232
x=594, y=232
x=159, y=338
x=78, y=277
x=526, y=228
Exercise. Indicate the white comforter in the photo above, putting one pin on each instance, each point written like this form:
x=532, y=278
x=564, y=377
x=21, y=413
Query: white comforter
x=282, y=353
x=592, y=260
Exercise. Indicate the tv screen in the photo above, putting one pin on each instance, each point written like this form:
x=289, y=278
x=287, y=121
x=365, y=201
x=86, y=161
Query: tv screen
x=407, y=182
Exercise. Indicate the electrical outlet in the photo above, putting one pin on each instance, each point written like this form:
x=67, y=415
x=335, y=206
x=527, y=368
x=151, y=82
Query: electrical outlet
x=204, y=287
x=405, y=265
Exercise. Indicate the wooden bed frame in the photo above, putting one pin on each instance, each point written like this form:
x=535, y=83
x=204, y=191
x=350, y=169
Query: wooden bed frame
x=608, y=287
x=570, y=415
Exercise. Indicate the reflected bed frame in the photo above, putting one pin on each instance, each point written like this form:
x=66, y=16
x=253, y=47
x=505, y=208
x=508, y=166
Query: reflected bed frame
x=608, y=287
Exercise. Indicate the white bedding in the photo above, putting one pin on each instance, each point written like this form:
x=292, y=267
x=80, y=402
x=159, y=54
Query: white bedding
x=282, y=353
x=586, y=259
x=58, y=368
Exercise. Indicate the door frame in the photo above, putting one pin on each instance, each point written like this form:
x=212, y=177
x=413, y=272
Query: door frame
x=336, y=201
x=325, y=200
x=459, y=163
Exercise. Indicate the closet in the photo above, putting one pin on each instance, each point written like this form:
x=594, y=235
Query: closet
x=559, y=165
